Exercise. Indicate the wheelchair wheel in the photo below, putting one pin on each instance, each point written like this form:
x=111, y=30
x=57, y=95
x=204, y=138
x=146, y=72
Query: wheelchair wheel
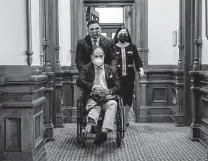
x=119, y=126
x=79, y=125
x=80, y=120
x=122, y=117
x=120, y=122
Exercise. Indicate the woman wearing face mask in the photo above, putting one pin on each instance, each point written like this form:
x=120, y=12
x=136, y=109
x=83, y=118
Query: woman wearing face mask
x=128, y=56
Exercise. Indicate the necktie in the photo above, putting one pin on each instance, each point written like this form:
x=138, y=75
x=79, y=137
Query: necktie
x=97, y=76
x=94, y=42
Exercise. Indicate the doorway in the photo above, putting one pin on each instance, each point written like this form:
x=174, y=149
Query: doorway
x=110, y=18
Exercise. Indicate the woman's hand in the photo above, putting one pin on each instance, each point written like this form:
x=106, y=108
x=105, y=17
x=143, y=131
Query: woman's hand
x=141, y=71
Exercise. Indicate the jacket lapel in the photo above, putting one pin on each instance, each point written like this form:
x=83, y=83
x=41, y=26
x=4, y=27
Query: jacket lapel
x=107, y=73
x=102, y=41
x=91, y=73
x=88, y=40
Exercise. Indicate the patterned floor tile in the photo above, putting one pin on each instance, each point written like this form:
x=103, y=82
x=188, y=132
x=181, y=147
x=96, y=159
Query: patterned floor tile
x=142, y=142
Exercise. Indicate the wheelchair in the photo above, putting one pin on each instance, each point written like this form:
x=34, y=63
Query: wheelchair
x=82, y=123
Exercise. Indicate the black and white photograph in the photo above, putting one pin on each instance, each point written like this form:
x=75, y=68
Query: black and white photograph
x=104, y=80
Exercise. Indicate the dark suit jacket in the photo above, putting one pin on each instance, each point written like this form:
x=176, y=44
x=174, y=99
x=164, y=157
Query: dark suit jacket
x=87, y=76
x=84, y=51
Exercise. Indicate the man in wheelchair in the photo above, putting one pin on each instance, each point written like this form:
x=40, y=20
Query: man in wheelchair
x=101, y=84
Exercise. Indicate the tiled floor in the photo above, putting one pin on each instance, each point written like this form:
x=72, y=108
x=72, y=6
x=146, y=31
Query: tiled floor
x=142, y=142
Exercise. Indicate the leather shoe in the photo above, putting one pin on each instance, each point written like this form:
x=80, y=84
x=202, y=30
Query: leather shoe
x=102, y=137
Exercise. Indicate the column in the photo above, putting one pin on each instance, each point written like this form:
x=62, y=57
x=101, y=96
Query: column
x=57, y=116
x=197, y=34
x=179, y=117
x=129, y=24
x=195, y=77
x=78, y=28
x=125, y=16
x=141, y=41
x=128, y=18
x=187, y=50
x=29, y=51
x=48, y=93
x=180, y=41
x=195, y=105
x=58, y=72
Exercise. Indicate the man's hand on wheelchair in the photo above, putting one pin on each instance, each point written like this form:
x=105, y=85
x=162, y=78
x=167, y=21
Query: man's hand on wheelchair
x=141, y=72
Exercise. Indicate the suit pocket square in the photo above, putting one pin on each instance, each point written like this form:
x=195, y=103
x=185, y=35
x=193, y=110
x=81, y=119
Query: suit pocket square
x=129, y=52
x=111, y=76
x=117, y=52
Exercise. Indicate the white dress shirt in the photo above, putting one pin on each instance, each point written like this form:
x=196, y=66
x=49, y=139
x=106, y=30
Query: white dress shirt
x=103, y=82
x=97, y=42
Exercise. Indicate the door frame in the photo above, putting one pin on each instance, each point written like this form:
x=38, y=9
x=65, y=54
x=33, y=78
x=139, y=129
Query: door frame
x=108, y=3
x=112, y=27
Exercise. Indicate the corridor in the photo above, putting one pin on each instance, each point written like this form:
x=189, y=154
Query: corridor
x=44, y=45
x=143, y=142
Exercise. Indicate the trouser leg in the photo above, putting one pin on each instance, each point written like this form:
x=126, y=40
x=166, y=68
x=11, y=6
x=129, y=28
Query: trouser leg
x=94, y=110
x=110, y=112
x=126, y=114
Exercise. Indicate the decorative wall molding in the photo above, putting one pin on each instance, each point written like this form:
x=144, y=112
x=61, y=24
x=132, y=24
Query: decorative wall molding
x=13, y=128
x=23, y=99
x=161, y=95
x=199, y=92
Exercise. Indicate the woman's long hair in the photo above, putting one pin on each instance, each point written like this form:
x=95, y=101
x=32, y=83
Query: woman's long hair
x=115, y=39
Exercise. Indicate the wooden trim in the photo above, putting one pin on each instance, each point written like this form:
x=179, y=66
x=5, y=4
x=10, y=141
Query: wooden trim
x=57, y=47
x=187, y=50
x=180, y=45
x=18, y=105
x=206, y=18
x=73, y=43
x=141, y=28
x=29, y=51
x=109, y=3
x=140, y=35
x=198, y=34
x=46, y=42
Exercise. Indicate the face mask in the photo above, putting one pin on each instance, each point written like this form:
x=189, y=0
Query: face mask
x=95, y=35
x=122, y=38
x=98, y=61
